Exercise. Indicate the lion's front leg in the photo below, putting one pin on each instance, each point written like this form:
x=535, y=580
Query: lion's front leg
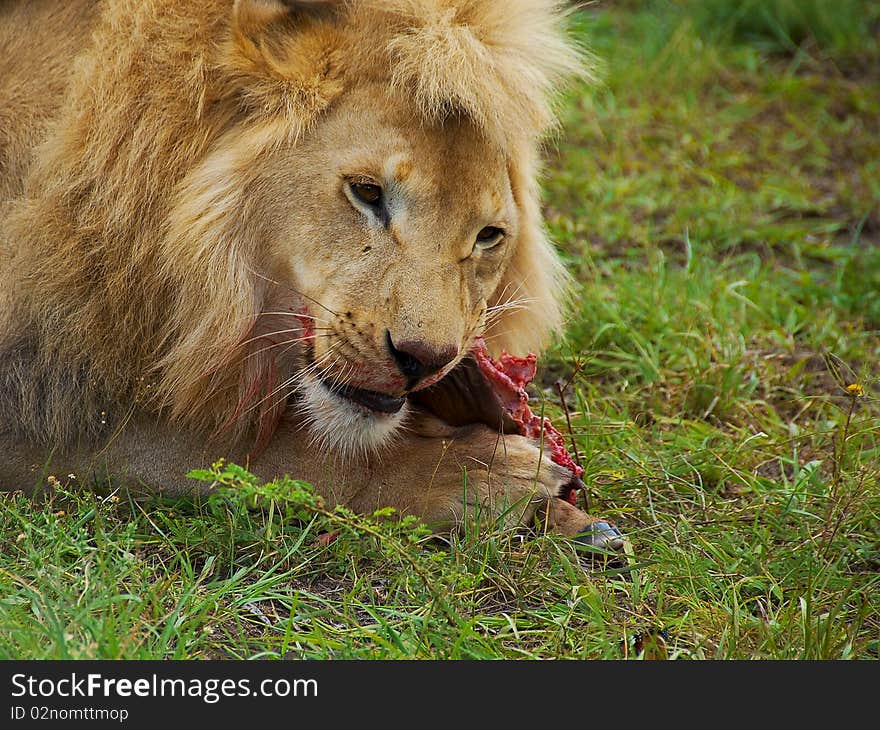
x=444, y=475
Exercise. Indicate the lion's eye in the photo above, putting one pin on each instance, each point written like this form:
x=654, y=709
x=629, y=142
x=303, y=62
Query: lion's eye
x=489, y=237
x=367, y=193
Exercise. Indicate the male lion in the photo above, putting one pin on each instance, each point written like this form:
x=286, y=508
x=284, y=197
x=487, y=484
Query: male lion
x=275, y=231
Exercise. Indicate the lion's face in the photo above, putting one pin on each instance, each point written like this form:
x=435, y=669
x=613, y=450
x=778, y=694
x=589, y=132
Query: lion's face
x=351, y=201
x=390, y=235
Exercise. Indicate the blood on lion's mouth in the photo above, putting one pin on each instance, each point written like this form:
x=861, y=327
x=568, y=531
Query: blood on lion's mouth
x=369, y=399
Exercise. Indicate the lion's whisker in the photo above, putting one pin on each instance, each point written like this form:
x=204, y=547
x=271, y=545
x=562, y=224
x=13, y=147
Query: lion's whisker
x=493, y=314
x=496, y=335
x=272, y=334
x=512, y=304
x=317, y=365
x=506, y=287
x=319, y=362
x=327, y=369
x=294, y=290
x=298, y=315
x=339, y=382
x=287, y=343
x=288, y=382
x=512, y=295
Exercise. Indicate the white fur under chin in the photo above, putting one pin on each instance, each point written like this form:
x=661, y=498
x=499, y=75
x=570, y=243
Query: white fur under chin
x=342, y=427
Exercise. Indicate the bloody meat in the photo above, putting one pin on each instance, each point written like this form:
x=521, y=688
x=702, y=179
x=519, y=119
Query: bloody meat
x=508, y=376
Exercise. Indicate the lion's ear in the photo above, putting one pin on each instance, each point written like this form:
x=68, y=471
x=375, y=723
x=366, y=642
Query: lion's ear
x=281, y=55
x=254, y=20
x=251, y=18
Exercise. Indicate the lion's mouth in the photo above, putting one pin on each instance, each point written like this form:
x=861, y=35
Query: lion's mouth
x=370, y=399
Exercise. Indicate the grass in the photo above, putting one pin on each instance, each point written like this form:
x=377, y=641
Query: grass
x=840, y=30
x=718, y=199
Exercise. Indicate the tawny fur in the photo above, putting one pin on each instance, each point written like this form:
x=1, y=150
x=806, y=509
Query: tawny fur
x=163, y=217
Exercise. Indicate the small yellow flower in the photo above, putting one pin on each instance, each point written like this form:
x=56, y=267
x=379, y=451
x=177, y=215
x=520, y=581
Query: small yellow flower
x=855, y=390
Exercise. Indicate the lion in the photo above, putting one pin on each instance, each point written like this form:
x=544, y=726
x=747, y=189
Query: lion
x=274, y=231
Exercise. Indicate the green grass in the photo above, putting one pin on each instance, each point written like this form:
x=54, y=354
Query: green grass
x=718, y=199
x=840, y=29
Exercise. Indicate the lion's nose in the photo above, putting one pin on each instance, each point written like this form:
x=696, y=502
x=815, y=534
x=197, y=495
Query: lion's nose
x=417, y=359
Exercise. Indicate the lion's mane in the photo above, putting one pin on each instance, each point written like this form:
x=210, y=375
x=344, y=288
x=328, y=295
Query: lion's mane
x=134, y=240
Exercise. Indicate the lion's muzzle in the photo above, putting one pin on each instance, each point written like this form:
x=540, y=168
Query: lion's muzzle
x=417, y=360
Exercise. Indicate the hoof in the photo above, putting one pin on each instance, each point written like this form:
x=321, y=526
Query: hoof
x=601, y=535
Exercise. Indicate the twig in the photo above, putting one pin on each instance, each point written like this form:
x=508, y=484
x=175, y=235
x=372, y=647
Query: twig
x=560, y=387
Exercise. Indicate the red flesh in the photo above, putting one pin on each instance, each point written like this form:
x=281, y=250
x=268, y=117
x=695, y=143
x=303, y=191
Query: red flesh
x=509, y=375
x=308, y=325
